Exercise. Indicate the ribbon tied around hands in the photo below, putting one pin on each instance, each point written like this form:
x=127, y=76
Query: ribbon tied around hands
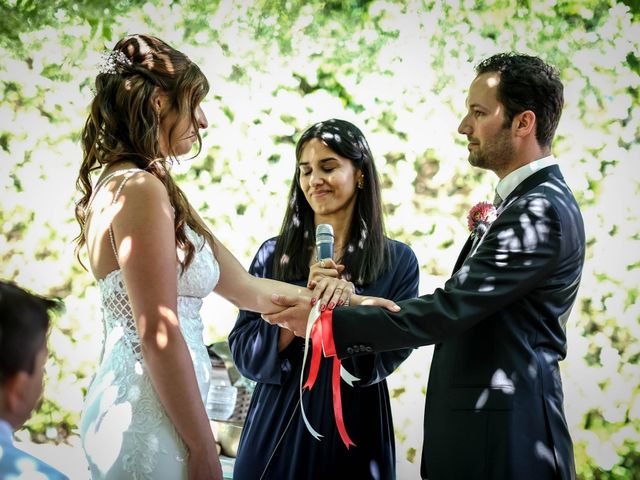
x=319, y=330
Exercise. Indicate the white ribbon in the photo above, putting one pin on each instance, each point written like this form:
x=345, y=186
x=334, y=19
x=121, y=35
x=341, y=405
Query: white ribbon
x=314, y=314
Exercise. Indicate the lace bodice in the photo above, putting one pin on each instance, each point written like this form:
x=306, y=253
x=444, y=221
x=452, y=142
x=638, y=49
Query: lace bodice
x=196, y=282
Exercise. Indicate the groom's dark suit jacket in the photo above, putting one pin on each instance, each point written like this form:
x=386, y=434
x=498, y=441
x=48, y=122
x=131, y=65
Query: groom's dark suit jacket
x=494, y=402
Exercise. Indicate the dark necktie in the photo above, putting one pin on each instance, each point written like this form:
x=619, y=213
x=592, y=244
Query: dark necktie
x=497, y=200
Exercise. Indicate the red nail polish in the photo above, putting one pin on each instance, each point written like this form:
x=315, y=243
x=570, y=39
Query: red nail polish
x=313, y=301
x=322, y=308
x=331, y=306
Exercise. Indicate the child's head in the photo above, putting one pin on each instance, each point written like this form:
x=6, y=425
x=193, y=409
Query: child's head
x=24, y=322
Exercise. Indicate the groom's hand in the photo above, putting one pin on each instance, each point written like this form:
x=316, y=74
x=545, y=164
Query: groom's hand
x=294, y=316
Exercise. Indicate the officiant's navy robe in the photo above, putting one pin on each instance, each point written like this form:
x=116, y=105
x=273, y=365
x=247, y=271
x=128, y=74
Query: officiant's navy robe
x=274, y=426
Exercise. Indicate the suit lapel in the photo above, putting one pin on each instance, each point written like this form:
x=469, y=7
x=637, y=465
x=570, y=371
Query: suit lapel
x=463, y=254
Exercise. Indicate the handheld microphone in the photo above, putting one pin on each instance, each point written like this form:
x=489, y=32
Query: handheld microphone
x=324, y=241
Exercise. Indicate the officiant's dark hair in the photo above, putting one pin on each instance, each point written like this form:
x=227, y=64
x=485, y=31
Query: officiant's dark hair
x=367, y=254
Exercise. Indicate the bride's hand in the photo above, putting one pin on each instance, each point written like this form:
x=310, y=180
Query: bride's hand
x=204, y=464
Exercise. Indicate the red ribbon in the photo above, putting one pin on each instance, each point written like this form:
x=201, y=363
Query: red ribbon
x=337, y=404
x=319, y=340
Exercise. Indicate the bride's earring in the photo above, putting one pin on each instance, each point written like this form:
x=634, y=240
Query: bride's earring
x=158, y=126
x=360, y=183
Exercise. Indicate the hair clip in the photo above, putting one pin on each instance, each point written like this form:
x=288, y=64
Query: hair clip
x=110, y=60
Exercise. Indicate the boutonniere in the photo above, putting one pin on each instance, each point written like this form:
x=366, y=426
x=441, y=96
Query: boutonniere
x=480, y=217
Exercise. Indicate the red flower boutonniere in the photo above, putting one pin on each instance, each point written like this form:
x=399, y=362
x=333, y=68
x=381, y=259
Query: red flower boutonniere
x=480, y=217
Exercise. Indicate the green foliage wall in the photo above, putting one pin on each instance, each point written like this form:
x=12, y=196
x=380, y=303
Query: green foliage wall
x=400, y=71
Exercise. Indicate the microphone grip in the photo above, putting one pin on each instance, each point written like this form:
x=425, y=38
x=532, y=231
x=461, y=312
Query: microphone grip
x=324, y=249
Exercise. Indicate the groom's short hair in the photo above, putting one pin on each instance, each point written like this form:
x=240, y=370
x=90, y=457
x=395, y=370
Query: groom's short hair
x=528, y=83
x=24, y=322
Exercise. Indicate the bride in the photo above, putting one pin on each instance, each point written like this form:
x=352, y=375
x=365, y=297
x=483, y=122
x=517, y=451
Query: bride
x=154, y=260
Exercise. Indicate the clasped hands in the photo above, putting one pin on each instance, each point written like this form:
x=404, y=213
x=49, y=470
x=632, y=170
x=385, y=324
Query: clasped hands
x=325, y=287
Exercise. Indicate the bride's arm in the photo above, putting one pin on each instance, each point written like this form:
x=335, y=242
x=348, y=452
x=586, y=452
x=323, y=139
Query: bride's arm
x=254, y=294
x=246, y=291
x=145, y=239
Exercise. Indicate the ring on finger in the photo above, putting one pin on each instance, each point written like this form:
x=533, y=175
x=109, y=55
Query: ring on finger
x=321, y=263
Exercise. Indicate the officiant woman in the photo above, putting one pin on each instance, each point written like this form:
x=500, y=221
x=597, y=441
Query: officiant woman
x=334, y=182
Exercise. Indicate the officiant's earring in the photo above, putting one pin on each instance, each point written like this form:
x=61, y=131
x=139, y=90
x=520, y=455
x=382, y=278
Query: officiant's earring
x=360, y=183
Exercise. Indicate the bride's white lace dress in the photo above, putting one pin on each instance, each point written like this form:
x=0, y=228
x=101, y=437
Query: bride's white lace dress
x=125, y=431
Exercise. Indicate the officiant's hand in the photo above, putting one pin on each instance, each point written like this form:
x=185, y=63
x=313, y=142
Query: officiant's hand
x=324, y=268
x=329, y=289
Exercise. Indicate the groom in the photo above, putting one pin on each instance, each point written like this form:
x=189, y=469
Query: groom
x=494, y=402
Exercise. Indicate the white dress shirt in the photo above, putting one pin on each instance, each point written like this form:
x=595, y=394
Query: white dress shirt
x=509, y=183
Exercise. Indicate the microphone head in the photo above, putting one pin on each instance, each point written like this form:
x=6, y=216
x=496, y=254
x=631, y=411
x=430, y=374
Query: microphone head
x=323, y=229
x=324, y=241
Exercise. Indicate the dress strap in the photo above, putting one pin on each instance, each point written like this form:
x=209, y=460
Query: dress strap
x=105, y=179
x=127, y=175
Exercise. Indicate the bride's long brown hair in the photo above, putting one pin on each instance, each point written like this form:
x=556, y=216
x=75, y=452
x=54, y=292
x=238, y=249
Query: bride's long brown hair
x=123, y=125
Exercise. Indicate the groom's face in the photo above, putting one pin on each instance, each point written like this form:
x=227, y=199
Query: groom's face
x=490, y=142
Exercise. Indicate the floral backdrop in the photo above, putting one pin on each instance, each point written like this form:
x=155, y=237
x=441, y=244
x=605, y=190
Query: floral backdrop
x=398, y=70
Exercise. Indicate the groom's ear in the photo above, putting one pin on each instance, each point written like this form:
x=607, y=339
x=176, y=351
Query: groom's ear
x=524, y=124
